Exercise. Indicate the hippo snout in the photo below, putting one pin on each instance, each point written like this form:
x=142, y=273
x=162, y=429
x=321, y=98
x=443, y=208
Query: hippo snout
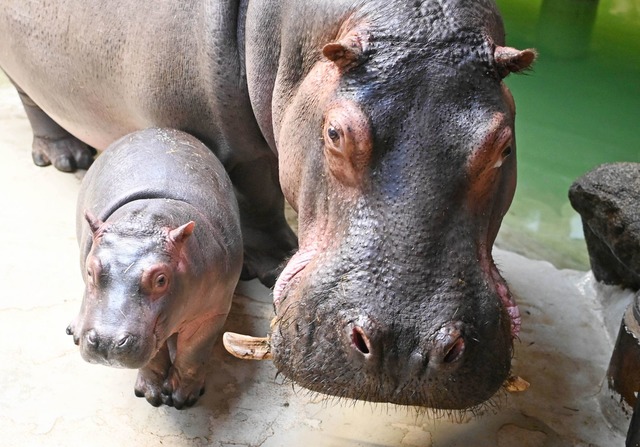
x=441, y=343
x=123, y=349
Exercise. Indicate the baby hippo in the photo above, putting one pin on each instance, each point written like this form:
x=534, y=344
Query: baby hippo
x=161, y=253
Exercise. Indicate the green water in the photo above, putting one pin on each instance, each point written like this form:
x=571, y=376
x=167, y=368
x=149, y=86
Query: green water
x=574, y=111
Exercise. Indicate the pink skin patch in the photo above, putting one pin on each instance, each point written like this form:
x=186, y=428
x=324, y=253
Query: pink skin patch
x=295, y=265
x=507, y=300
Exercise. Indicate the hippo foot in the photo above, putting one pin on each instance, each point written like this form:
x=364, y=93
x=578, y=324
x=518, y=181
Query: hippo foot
x=149, y=386
x=67, y=153
x=181, y=391
x=265, y=253
x=170, y=389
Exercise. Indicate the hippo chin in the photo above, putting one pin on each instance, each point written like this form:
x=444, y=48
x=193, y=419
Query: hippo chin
x=385, y=124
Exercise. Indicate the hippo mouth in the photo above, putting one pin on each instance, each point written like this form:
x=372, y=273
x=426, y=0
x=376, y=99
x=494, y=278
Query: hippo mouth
x=248, y=347
x=506, y=298
x=294, y=267
x=128, y=351
x=434, y=362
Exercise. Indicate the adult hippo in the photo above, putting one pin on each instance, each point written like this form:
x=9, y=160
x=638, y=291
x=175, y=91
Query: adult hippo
x=388, y=127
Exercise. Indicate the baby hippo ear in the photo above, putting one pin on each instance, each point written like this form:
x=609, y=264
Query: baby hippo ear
x=93, y=221
x=180, y=234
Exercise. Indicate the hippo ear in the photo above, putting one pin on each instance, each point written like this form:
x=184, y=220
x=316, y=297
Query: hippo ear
x=93, y=221
x=180, y=234
x=511, y=60
x=345, y=52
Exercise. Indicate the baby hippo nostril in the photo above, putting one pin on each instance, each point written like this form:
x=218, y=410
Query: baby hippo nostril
x=360, y=340
x=92, y=338
x=123, y=341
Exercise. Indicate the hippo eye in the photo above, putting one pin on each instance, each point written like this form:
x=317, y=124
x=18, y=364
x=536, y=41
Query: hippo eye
x=94, y=270
x=161, y=281
x=506, y=152
x=90, y=278
x=333, y=134
x=155, y=282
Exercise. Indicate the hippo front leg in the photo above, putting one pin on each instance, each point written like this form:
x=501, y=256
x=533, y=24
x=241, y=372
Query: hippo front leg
x=53, y=144
x=185, y=380
x=268, y=239
x=151, y=377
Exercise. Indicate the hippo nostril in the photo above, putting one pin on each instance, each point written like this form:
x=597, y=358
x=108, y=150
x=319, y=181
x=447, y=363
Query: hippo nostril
x=360, y=340
x=124, y=340
x=454, y=351
x=92, y=338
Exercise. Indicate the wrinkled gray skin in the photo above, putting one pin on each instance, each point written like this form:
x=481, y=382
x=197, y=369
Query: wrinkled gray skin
x=160, y=254
x=394, y=143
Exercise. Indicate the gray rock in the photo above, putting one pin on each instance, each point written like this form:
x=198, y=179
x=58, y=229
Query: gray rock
x=608, y=200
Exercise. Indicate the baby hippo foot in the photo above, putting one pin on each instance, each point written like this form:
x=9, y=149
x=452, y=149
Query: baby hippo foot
x=149, y=385
x=152, y=376
x=66, y=153
x=182, y=390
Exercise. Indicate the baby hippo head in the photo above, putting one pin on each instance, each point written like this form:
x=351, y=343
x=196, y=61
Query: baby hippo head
x=130, y=274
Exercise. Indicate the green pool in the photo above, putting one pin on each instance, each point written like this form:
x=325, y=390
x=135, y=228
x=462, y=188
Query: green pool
x=579, y=107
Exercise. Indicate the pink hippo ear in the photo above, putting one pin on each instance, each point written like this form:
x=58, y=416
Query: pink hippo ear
x=180, y=234
x=93, y=221
x=511, y=60
x=345, y=52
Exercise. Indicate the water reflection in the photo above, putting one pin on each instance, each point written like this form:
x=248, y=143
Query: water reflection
x=574, y=112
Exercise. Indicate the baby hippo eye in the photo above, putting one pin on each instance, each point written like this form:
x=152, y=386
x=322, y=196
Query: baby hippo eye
x=94, y=270
x=161, y=280
x=155, y=281
x=333, y=134
x=506, y=152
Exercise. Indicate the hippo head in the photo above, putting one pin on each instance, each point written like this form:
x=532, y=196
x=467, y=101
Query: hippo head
x=395, y=136
x=131, y=274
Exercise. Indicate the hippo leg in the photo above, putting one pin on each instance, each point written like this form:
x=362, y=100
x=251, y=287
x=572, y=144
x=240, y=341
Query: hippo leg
x=193, y=351
x=152, y=376
x=53, y=144
x=268, y=239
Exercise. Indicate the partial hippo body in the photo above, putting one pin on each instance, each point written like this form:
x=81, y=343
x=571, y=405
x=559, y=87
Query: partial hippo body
x=161, y=253
x=385, y=124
